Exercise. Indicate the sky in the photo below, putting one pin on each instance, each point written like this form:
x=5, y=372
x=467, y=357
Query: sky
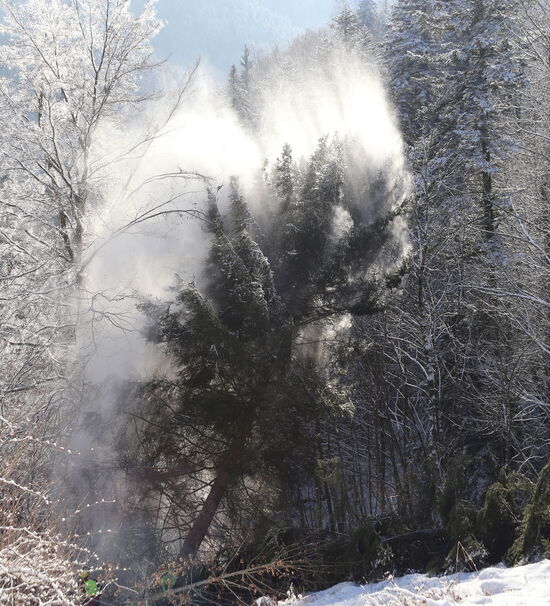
x=217, y=30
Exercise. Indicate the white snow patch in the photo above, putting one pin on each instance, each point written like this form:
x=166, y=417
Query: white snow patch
x=499, y=586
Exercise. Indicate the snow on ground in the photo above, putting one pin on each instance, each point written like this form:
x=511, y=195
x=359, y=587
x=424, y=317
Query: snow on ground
x=522, y=586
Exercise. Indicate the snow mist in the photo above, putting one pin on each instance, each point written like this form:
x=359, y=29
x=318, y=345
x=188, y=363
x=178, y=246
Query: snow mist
x=147, y=227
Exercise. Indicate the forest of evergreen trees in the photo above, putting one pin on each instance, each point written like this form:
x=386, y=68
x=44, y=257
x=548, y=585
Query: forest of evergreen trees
x=354, y=382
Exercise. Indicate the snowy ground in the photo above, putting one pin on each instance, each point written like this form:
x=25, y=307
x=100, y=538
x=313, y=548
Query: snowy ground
x=522, y=586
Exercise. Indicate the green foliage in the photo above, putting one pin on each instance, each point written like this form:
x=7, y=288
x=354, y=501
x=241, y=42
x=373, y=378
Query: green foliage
x=91, y=587
x=534, y=536
x=467, y=552
x=308, y=247
x=460, y=520
x=499, y=518
x=482, y=536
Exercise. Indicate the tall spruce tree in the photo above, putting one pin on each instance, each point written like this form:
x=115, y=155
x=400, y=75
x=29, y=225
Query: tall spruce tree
x=453, y=75
x=413, y=62
x=489, y=80
x=489, y=77
x=355, y=35
x=368, y=12
x=240, y=87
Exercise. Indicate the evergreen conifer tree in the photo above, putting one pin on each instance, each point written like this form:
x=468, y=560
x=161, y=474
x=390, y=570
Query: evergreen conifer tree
x=353, y=32
x=244, y=389
x=488, y=79
x=369, y=15
x=240, y=87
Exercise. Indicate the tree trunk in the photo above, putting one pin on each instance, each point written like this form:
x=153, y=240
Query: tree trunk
x=224, y=475
x=202, y=522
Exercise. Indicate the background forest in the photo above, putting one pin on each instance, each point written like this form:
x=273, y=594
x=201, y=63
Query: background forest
x=289, y=328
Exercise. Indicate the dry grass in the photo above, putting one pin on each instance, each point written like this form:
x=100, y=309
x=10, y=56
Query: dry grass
x=38, y=566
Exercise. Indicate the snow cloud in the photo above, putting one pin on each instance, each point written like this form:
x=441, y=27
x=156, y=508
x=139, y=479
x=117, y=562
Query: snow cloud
x=152, y=175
